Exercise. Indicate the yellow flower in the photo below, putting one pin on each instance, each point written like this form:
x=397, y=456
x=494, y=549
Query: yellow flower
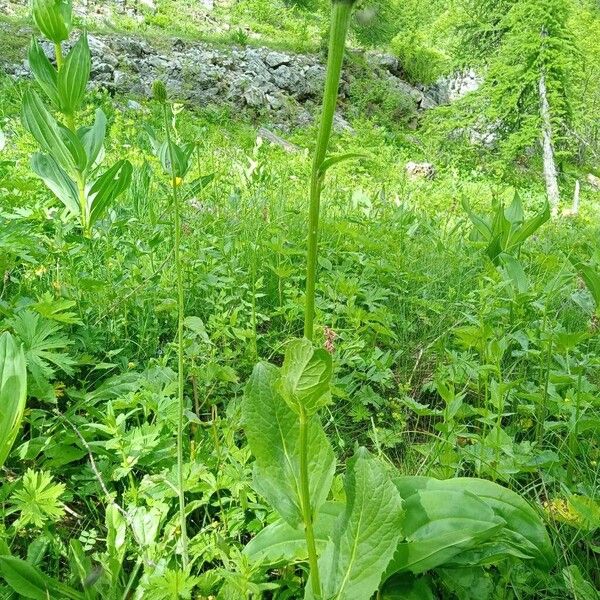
x=178, y=181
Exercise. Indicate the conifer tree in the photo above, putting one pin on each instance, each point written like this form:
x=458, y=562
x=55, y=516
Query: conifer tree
x=530, y=82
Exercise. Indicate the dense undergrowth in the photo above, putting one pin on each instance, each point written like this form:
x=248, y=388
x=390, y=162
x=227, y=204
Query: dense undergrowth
x=447, y=361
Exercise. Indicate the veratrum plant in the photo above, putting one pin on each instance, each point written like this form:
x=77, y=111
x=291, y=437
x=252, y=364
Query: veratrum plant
x=175, y=160
x=70, y=157
x=13, y=392
x=506, y=230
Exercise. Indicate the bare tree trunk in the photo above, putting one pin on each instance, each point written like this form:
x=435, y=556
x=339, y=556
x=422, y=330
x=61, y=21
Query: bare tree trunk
x=550, y=173
x=575, y=207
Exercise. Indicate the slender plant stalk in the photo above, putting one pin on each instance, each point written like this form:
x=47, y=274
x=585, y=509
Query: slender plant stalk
x=58, y=53
x=180, y=319
x=340, y=19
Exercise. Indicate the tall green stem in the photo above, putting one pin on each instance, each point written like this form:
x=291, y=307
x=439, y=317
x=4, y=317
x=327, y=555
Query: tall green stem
x=180, y=319
x=340, y=19
x=307, y=512
x=58, y=53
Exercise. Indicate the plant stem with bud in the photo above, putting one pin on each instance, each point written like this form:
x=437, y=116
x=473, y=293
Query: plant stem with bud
x=160, y=94
x=340, y=20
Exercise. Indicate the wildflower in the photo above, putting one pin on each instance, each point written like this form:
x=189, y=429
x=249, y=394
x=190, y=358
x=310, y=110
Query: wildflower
x=330, y=336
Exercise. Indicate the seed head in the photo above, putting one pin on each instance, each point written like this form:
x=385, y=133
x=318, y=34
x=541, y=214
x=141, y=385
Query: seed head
x=159, y=91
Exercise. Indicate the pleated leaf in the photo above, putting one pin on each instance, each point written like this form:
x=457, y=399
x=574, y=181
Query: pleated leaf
x=107, y=188
x=57, y=180
x=74, y=76
x=47, y=132
x=92, y=138
x=13, y=392
x=44, y=72
x=53, y=17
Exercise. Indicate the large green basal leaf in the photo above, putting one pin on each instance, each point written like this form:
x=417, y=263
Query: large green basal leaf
x=280, y=543
x=439, y=525
x=305, y=376
x=13, y=392
x=272, y=431
x=365, y=536
x=522, y=535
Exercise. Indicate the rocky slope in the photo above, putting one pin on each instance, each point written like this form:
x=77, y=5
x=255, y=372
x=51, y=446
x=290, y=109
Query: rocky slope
x=283, y=85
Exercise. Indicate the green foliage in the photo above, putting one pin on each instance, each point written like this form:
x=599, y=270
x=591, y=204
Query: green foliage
x=53, y=18
x=37, y=500
x=13, y=392
x=439, y=360
x=45, y=347
x=69, y=164
x=528, y=41
x=505, y=232
x=364, y=538
x=420, y=63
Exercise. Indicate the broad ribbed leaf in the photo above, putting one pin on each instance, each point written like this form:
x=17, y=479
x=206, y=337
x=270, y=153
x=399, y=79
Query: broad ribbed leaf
x=107, y=187
x=30, y=582
x=305, y=377
x=75, y=147
x=53, y=17
x=196, y=186
x=591, y=277
x=181, y=155
x=57, y=180
x=47, y=132
x=365, y=536
x=92, y=138
x=523, y=533
x=44, y=72
x=73, y=76
x=406, y=587
x=281, y=543
x=13, y=392
x=524, y=527
x=528, y=228
x=272, y=431
x=440, y=525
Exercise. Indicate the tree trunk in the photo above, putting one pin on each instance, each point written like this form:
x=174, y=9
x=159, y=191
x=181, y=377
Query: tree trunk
x=575, y=207
x=550, y=174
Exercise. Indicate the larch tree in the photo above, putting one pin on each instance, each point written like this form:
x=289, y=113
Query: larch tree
x=529, y=85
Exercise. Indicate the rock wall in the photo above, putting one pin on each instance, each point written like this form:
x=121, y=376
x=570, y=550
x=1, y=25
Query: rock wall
x=285, y=85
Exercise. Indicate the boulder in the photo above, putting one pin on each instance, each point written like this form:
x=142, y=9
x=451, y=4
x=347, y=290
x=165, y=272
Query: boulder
x=415, y=170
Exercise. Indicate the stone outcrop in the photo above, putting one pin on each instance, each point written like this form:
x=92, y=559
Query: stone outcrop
x=285, y=85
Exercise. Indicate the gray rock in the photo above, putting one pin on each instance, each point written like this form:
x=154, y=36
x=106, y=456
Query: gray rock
x=288, y=86
x=276, y=59
x=133, y=105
